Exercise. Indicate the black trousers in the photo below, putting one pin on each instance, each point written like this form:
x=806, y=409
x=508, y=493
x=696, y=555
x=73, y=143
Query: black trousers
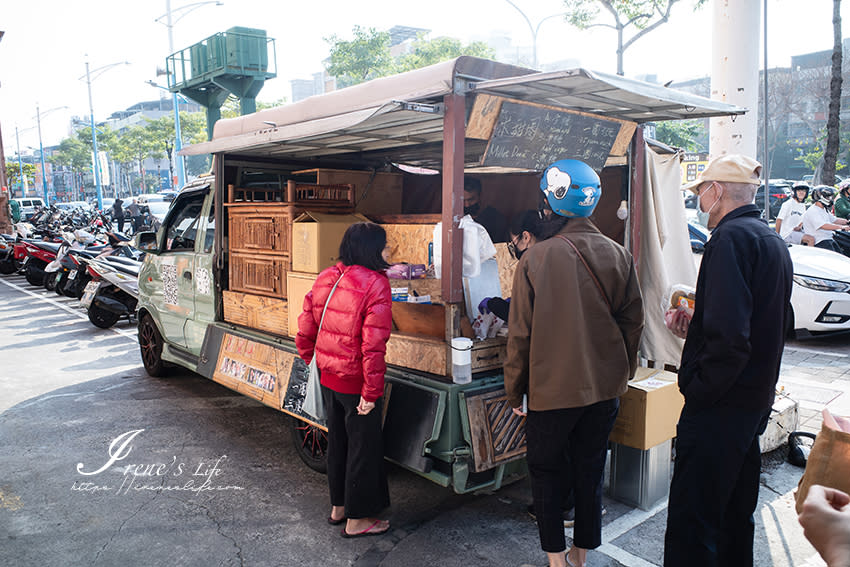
x=828, y=245
x=715, y=488
x=567, y=448
x=357, y=477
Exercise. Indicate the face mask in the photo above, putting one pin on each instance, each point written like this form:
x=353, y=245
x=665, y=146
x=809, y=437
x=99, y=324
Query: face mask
x=702, y=216
x=472, y=209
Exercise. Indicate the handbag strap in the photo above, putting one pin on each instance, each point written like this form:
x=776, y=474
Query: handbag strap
x=592, y=275
x=325, y=308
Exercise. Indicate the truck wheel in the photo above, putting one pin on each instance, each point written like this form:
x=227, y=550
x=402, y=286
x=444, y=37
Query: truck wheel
x=311, y=444
x=150, y=344
x=101, y=317
x=34, y=275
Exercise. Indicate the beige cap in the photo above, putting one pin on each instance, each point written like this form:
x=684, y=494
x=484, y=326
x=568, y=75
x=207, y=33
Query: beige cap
x=730, y=168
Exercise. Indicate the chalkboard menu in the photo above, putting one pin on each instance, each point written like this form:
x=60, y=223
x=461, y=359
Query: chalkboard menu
x=532, y=137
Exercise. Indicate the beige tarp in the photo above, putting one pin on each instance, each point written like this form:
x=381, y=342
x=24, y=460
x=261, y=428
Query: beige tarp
x=665, y=254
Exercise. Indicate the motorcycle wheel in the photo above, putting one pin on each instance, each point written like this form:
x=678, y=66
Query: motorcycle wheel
x=34, y=275
x=150, y=344
x=60, y=286
x=50, y=281
x=8, y=267
x=311, y=444
x=101, y=317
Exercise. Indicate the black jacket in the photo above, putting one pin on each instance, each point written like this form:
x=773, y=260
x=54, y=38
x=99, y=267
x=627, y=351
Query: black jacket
x=737, y=334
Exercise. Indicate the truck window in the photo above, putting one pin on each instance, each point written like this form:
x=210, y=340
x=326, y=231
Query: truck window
x=209, y=237
x=183, y=224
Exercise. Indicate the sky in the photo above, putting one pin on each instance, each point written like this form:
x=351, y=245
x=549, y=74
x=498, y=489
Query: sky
x=47, y=42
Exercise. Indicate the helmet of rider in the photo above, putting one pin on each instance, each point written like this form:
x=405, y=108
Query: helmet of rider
x=824, y=194
x=799, y=187
x=571, y=187
x=844, y=187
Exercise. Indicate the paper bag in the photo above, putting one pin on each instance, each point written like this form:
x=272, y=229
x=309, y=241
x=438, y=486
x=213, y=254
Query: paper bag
x=829, y=460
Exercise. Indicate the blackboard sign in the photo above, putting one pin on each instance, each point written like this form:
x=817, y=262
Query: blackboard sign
x=533, y=137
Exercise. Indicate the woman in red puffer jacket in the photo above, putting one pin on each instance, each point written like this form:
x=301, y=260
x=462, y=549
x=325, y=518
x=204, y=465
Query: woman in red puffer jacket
x=350, y=355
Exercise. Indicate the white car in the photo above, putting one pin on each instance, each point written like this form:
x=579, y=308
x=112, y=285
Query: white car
x=820, y=296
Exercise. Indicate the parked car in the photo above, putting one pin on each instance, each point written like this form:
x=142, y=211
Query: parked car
x=779, y=193
x=820, y=295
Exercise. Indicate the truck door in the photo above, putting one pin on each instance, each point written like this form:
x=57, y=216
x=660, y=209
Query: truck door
x=177, y=265
x=204, y=312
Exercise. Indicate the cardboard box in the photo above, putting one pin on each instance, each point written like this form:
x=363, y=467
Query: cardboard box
x=649, y=411
x=316, y=238
x=297, y=285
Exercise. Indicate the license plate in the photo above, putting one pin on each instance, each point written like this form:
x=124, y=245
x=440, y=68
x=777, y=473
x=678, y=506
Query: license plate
x=89, y=293
x=73, y=273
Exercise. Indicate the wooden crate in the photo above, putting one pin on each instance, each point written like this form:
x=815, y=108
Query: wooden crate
x=260, y=228
x=259, y=274
x=257, y=312
x=430, y=354
x=373, y=192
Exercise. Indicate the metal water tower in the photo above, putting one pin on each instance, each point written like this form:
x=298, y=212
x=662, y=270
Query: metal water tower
x=237, y=61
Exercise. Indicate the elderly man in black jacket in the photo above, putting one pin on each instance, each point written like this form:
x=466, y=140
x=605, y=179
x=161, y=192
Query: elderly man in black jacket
x=730, y=365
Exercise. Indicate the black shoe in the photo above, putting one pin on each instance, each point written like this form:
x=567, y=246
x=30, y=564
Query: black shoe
x=568, y=515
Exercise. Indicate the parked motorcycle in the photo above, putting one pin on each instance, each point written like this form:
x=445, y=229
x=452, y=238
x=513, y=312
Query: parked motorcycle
x=38, y=254
x=113, y=291
x=8, y=265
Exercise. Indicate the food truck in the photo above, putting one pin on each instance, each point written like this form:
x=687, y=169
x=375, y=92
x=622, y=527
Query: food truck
x=225, y=276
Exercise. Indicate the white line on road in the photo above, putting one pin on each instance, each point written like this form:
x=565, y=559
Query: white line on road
x=75, y=312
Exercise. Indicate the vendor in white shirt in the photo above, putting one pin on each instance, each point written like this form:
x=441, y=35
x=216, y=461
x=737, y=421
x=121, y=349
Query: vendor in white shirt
x=789, y=221
x=819, y=222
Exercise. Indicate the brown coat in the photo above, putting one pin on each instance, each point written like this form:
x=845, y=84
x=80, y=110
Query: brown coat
x=565, y=348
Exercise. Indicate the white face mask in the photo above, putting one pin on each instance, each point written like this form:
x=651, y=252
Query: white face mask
x=702, y=216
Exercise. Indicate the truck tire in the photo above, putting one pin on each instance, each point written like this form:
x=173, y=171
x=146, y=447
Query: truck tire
x=102, y=318
x=150, y=344
x=311, y=444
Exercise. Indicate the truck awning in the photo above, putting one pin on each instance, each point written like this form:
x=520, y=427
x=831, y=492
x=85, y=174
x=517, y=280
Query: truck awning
x=403, y=114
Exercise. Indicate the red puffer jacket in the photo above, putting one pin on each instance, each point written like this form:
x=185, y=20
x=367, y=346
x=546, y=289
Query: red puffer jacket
x=357, y=324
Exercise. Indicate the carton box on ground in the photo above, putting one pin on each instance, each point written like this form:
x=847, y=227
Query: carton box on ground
x=316, y=238
x=649, y=410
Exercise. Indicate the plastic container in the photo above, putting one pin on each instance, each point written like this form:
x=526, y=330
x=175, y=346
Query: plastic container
x=461, y=360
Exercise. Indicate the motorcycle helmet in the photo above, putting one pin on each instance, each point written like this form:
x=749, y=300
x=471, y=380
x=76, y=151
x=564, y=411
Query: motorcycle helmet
x=800, y=187
x=825, y=194
x=571, y=187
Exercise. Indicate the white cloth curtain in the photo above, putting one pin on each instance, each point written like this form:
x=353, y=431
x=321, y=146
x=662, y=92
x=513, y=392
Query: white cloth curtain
x=665, y=254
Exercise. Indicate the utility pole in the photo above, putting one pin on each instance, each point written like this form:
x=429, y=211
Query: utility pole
x=5, y=221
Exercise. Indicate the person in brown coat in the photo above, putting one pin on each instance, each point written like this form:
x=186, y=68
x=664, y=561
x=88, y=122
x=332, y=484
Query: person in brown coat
x=575, y=323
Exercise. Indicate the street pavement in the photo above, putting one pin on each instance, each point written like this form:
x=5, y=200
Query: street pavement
x=215, y=479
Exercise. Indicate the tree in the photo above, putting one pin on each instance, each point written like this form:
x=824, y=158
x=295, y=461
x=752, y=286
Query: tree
x=75, y=154
x=643, y=15
x=685, y=134
x=365, y=57
x=136, y=144
x=428, y=52
x=830, y=154
x=13, y=173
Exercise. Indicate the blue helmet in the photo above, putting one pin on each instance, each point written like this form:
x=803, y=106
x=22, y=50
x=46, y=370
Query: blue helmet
x=571, y=187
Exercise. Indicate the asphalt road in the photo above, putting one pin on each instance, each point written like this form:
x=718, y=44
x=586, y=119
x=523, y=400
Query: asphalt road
x=102, y=465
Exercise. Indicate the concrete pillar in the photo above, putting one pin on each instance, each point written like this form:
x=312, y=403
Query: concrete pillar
x=735, y=75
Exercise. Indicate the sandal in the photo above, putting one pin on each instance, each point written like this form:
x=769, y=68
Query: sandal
x=367, y=532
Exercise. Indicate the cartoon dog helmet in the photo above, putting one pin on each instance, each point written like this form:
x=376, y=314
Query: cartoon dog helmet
x=571, y=187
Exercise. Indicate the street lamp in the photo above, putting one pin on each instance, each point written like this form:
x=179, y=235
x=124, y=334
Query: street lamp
x=178, y=142
x=534, y=30
x=41, y=150
x=96, y=165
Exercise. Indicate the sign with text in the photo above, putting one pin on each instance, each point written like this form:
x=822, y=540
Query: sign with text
x=533, y=137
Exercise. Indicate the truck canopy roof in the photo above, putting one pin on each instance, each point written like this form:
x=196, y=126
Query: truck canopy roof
x=400, y=118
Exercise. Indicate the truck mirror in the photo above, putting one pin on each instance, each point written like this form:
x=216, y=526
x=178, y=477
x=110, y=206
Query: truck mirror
x=146, y=241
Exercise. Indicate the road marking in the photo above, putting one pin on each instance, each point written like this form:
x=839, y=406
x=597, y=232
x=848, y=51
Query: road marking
x=75, y=312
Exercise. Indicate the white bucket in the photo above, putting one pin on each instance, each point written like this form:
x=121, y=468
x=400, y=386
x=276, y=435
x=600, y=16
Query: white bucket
x=461, y=360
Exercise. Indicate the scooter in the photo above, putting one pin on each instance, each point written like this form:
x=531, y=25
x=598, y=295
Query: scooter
x=38, y=254
x=113, y=291
x=8, y=265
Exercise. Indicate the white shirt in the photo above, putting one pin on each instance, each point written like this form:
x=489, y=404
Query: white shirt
x=791, y=215
x=814, y=218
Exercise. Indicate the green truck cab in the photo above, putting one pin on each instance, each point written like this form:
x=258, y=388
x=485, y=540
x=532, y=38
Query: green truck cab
x=217, y=286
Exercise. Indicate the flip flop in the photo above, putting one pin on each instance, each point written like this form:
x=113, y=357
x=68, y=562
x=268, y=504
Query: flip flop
x=333, y=522
x=367, y=532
